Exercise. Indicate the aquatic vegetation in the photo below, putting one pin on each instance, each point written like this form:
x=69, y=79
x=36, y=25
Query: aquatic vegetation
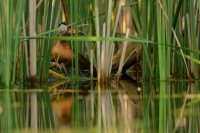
x=159, y=37
x=169, y=36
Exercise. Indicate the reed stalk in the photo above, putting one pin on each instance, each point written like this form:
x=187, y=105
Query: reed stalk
x=91, y=65
x=193, y=32
x=113, y=35
x=33, y=49
x=16, y=46
x=122, y=56
x=76, y=42
x=103, y=55
x=98, y=42
x=108, y=34
x=168, y=31
x=144, y=46
x=106, y=49
x=6, y=40
x=158, y=33
x=65, y=11
x=25, y=49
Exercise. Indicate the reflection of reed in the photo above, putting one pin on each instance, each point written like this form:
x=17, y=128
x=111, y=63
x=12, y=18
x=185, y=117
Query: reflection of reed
x=26, y=110
x=27, y=113
x=128, y=108
x=34, y=108
x=110, y=111
x=180, y=119
x=106, y=109
x=124, y=112
x=38, y=112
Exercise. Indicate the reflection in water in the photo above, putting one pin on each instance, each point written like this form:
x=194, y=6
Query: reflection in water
x=106, y=107
x=33, y=109
x=62, y=110
x=115, y=107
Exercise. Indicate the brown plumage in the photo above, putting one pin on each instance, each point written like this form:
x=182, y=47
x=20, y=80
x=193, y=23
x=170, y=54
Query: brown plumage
x=62, y=53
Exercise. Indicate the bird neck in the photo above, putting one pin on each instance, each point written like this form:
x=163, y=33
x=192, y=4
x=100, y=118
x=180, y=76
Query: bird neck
x=64, y=44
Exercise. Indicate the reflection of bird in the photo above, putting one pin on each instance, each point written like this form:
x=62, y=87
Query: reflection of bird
x=62, y=52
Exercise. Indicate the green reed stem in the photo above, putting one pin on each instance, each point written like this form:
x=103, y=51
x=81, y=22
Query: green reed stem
x=192, y=31
x=47, y=46
x=20, y=8
x=162, y=66
x=198, y=4
x=7, y=33
x=76, y=42
x=136, y=20
x=169, y=10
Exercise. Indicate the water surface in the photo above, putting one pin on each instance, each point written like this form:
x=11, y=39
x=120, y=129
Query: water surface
x=124, y=107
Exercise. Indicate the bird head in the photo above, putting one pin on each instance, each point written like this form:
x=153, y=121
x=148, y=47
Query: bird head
x=68, y=30
x=62, y=28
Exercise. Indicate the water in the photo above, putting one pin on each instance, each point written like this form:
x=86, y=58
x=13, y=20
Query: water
x=112, y=108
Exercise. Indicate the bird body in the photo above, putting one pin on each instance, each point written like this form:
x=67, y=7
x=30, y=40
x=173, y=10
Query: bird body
x=62, y=53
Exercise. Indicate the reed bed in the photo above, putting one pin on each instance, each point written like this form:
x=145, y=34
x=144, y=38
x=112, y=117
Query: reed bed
x=28, y=60
x=167, y=30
